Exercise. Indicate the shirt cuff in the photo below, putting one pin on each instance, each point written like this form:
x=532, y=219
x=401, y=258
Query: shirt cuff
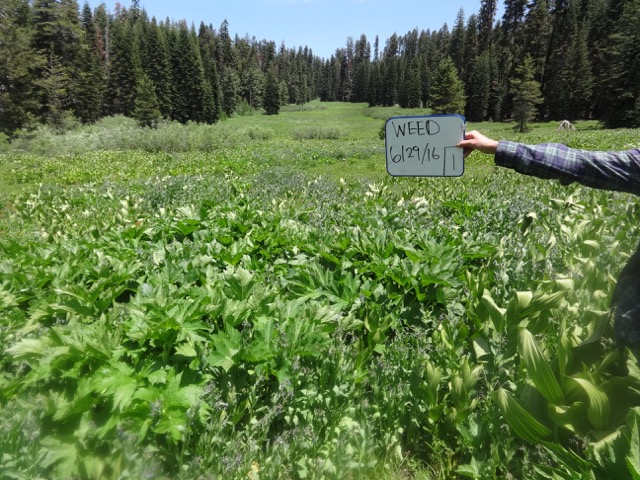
x=506, y=153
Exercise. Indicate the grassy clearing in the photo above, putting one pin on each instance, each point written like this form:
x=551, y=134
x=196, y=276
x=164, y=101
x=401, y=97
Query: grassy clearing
x=232, y=302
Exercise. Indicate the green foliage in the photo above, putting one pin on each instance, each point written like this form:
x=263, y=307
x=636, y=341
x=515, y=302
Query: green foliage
x=272, y=94
x=230, y=312
x=527, y=95
x=447, y=91
x=327, y=133
x=147, y=111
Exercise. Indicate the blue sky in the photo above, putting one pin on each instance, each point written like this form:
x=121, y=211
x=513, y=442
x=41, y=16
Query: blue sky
x=322, y=25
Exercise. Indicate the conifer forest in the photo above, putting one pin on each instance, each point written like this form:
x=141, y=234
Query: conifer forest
x=61, y=62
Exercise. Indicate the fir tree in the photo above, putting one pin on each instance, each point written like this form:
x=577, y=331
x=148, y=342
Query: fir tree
x=580, y=79
x=56, y=87
x=480, y=89
x=485, y=23
x=207, y=43
x=156, y=64
x=272, y=93
x=188, y=78
x=412, y=85
x=527, y=94
x=362, y=62
x=58, y=37
x=390, y=72
x=555, y=82
x=373, y=88
x=121, y=81
x=447, y=90
x=230, y=88
x=621, y=86
x=424, y=58
x=252, y=83
x=88, y=105
x=457, y=44
x=536, y=35
x=147, y=109
x=471, y=50
x=19, y=62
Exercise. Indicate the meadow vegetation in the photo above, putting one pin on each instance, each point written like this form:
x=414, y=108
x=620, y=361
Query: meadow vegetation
x=259, y=299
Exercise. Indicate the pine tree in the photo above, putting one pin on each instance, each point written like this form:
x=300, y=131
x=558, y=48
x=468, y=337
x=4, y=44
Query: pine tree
x=485, y=23
x=580, y=80
x=56, y=87
x=156, y=64
x=90, y=82
x=207, y=43
x=536, y=36
x=447, y=90
x=272, y=93
x=121, y=80
x=147, y=108
x=457, y=44
x=57, y=36
x=19, y=62
x=230, y=88
x=480, y=89
x=188, y=78
x=555, y=82
x=527, y=94
x=621, y=86
x=252, y=82
x=412, y=85
x=390, y=72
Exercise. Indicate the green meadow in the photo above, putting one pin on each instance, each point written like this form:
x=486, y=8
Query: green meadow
x=258, y=299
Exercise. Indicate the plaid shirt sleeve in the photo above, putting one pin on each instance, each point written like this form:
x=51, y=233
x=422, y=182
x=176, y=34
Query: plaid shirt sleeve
x=619, y=171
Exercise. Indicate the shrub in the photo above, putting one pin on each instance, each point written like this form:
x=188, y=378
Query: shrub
x=317, y=133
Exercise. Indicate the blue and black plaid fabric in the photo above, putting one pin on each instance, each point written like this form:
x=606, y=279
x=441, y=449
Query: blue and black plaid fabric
x=619, y=171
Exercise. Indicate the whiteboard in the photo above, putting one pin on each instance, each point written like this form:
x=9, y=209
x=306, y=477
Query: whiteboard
x=424, y=146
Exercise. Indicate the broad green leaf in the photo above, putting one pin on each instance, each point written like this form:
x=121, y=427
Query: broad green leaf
x=538, y=368
x=571, y=417
x=481, y=348
x=599, y=408
x=496, y=313
x=173, y=422
x=186, y=350
x=471, y=470
x=517, y=307
x=31, y=347
x=568, y=459
x=633, y=458
x=521, y=422
x=60, y=453
x=117, y=380
x=226, y=346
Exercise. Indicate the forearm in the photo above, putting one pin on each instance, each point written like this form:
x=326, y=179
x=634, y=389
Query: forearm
x=618, y=171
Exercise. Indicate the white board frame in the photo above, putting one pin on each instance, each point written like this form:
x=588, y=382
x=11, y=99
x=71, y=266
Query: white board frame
x=424, y=145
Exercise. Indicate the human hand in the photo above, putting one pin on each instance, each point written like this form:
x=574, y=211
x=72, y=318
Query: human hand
x=474, y=140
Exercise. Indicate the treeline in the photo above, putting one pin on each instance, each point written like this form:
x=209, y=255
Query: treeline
x=550, y=59
x=60, y=64
x=562, y=59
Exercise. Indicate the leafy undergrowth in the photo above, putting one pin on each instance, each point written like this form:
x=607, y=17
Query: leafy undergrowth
x=266, y=323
